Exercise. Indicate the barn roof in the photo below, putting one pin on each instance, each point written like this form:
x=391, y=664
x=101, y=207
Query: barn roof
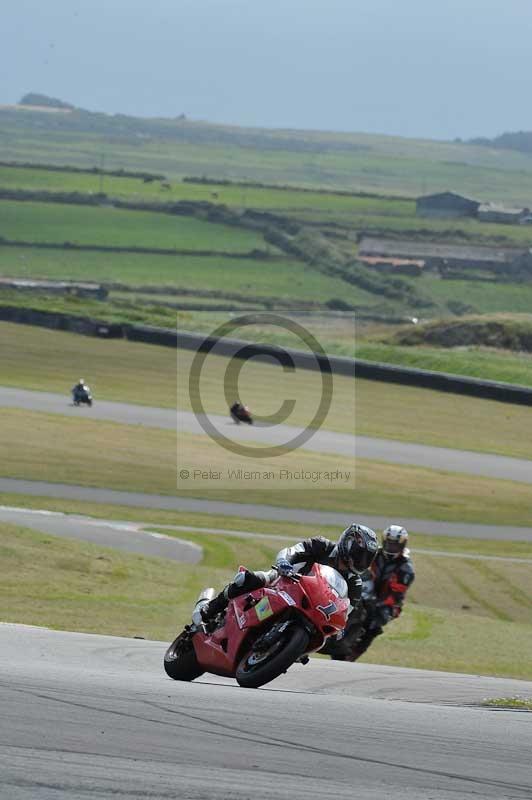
x=447, y=195
x=486, y=207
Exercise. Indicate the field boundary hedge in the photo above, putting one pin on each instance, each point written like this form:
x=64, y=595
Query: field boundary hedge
x=114, y=173
x=257, y=255
x=284, y=187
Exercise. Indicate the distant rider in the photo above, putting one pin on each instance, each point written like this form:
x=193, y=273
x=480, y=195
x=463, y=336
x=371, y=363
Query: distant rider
x=80, y=391
x=351, y=555
x=80, y=388
x=385, y=586
x=239, y=412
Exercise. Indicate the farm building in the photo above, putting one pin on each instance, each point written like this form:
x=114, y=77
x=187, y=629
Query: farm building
x=489, y=212
x=93, y=290
x=446, y=204
x=448, y=257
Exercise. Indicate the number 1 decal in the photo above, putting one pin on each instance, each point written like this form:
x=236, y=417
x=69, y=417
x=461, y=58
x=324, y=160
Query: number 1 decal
x=328, y=610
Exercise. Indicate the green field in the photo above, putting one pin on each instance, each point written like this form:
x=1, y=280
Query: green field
x=352, y=213
x=77, y=586
x=281, y=276
x=486, y=297
x=114, y=227
x=293, y=201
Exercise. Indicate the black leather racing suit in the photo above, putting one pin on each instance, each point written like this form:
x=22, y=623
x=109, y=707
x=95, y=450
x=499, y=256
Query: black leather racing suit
x=316, y=550
x=385, y=586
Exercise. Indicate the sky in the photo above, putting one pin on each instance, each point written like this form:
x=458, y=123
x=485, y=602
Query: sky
x=435, y=69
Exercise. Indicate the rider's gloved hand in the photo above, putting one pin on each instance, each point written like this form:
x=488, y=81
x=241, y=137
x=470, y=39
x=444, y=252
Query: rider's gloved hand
x=284, y=568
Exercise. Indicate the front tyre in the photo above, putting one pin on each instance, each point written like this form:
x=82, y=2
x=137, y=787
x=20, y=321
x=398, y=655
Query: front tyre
x=258, y=668
x=180, y=662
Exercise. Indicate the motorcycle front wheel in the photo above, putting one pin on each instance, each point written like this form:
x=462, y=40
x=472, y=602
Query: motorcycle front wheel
x=180, y=662
x=258, y=667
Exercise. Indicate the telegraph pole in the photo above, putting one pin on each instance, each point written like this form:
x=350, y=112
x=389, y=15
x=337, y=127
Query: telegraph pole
x=102, y=162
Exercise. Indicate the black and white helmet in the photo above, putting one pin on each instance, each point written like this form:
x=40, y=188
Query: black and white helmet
x=394, y=541
x=357, y=547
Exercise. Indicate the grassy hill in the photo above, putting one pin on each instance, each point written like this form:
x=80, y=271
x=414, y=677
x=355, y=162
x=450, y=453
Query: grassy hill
x=178, y=147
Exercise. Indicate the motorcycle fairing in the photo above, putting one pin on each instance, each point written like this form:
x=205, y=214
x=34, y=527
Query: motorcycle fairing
x=252, y=614
x=219, y=651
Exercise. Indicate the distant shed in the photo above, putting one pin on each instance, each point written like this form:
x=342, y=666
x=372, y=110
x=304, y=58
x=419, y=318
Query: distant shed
x=446, y=204
x=489, y=212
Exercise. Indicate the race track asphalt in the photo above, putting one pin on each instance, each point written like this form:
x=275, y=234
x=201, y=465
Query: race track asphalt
x=387, y=450
x=125, y=536
x=87, y=717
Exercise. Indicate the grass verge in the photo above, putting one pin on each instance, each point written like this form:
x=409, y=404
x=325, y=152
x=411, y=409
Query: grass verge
x=517, y=703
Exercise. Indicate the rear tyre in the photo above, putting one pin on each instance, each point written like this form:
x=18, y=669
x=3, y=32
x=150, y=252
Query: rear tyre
x=180, y=662
x=256, y=668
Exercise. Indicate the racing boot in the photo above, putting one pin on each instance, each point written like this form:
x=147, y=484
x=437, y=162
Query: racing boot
x=210, y=610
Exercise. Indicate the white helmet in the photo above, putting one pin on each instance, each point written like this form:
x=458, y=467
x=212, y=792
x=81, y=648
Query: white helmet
x=394, y=541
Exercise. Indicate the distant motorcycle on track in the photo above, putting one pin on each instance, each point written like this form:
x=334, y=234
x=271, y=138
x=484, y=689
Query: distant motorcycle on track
x=81, y=395
x=240, y=413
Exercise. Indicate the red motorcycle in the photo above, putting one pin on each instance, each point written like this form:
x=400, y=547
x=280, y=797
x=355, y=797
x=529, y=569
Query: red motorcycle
x=263, y=632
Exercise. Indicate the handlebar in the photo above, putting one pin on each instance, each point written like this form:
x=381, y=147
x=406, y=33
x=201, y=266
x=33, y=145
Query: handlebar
x=294, y=576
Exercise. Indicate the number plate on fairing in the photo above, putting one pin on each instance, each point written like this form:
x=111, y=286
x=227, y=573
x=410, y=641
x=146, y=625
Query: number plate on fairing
x=290, y=600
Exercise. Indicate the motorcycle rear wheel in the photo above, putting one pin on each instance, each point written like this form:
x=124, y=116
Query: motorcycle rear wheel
x=251, y=673
x=180, y=662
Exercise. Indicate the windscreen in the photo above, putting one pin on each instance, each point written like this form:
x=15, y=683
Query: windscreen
x=335, y=580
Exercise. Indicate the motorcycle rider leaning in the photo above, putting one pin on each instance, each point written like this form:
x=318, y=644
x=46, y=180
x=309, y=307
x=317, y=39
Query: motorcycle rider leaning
x=80, y=388
x=239, y=412
x=351, y=555
x=386, y=584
